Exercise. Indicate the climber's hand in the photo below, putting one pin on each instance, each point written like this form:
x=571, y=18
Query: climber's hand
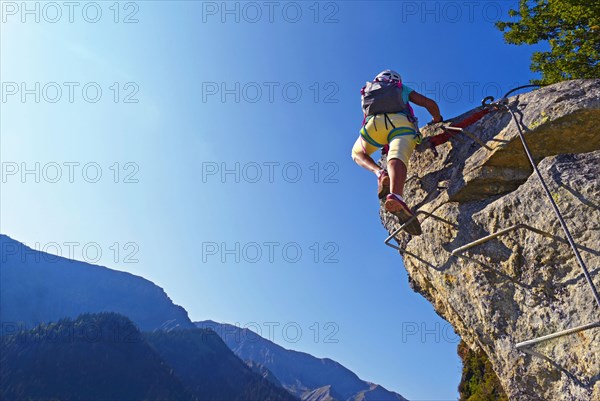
x=437, y=119
x=434, y=121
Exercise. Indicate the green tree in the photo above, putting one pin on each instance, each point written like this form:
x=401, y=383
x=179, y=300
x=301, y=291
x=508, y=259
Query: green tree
x=571, y=28
x=479, y=381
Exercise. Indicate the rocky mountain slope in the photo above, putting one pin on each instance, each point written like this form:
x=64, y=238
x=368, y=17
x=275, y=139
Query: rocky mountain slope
x=94, y=357
x=105, y=357
x=37, y=287
x=208, y=368
x=305, y=376
x=524, y=284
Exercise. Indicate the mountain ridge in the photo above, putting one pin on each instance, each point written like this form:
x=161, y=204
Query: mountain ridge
x=46, y=292
x=304, y=375
x=49, y=289
x=104, y=356
x=112, y=362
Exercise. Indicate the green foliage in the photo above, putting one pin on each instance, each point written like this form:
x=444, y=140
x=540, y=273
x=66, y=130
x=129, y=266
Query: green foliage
x=571, y=28
x=479, y=381
x=105, y=357
x=94, y=357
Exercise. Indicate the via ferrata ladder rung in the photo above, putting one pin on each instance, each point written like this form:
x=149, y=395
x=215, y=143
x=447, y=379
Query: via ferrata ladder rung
x=401, y=228
x=497, y=234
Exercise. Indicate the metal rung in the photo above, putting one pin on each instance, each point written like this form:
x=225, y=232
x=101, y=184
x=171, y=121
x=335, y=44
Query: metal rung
x=470, y=135
x=463, y=248
x=393, y=235
x=529, y=343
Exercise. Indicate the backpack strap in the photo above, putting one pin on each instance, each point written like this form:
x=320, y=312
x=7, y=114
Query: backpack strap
x=408, y=106
x=387, y=119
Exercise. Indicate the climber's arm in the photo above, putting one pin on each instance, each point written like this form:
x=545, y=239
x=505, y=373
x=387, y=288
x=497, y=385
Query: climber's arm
x=429, y=104
x=362, y=158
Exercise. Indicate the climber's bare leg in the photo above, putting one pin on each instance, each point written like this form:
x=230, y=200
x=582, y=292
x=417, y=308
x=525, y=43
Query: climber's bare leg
x=398, y=207
x=397, y=171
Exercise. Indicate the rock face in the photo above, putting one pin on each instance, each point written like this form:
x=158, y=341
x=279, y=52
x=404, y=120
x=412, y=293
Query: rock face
x=524, y=284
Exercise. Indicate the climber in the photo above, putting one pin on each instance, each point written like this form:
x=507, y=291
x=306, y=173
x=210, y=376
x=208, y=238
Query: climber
x=389, y=120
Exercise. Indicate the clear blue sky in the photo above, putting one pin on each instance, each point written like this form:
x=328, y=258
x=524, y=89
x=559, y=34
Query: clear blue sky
x=287, y=120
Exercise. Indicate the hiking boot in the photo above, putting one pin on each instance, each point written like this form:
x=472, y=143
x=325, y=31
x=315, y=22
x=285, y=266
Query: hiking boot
x=396, y=206
x=383, y=185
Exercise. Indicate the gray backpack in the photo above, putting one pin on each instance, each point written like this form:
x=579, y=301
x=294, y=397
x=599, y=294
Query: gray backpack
x=379, y=97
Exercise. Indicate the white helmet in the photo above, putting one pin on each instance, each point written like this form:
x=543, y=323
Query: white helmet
x=388, y=75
